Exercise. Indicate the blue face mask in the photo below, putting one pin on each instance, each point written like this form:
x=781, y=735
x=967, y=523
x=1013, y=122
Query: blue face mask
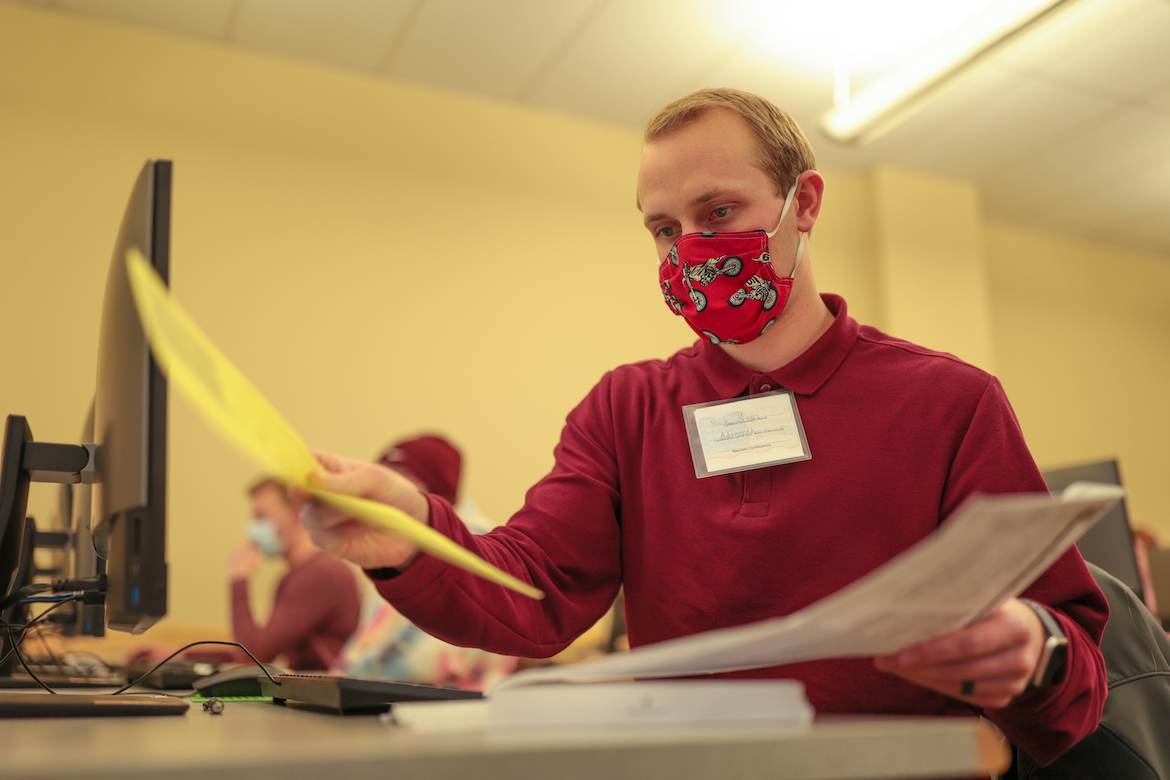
x=262, y=533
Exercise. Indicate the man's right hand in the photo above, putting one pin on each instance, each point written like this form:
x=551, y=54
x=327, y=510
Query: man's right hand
x=244, y=561
x=355, y=540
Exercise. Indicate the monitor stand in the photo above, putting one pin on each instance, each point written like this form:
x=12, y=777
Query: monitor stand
x=25, y=461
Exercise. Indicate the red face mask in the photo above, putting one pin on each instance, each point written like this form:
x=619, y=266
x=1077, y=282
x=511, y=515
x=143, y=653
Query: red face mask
x=724, y=284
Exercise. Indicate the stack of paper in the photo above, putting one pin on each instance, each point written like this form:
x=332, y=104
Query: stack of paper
x=991, y=549
x=655, y=703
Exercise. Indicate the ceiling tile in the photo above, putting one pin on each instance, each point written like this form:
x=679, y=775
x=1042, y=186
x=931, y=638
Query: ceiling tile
x=632, y=59
x=493, y=49
x=949, y=108
x=794, y=92
x=345, y=33
x=1127, y=59
x=1159, y=99
x=1069, y=30
x=1144, y=194
x=1007, y=128
x=204, y=18
x=1088, y=161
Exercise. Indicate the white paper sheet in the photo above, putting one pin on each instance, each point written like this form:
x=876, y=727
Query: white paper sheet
x=990, y=550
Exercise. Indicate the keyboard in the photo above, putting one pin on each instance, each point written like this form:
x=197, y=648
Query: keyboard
x=352, y=695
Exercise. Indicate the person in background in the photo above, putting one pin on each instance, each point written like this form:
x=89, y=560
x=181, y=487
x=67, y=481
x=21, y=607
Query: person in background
x=387, y=646
x=1143, y=542
x=317, y=604
x=431, y=462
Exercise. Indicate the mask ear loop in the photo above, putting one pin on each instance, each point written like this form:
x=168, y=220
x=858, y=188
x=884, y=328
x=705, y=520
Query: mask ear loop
x=800, y=236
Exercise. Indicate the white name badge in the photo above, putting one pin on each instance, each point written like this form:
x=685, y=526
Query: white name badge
x=745, y=433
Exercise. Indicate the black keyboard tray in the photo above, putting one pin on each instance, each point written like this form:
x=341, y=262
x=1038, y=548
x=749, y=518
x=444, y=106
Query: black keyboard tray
x=352, y=695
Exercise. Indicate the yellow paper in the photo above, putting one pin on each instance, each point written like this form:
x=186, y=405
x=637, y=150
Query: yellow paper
x=234, y=406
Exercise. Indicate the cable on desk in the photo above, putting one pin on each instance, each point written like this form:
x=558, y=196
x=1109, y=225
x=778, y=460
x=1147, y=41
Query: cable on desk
x=155, y=668
x=18, y=632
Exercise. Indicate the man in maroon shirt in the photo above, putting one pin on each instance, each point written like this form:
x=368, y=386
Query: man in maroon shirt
x=317, y=604
x=899, y=436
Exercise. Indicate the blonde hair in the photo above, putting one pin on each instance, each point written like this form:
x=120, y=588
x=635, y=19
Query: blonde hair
x=785, y=153
x=265, y=483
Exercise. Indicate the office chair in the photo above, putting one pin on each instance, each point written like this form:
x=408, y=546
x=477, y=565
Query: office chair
x=1133, y=740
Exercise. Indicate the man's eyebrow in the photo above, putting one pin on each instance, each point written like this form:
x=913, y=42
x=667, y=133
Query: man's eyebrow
x=706, y=196
x=698, y=201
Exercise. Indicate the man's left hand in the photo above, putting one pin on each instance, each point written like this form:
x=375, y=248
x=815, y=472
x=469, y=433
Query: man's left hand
x=995, y=658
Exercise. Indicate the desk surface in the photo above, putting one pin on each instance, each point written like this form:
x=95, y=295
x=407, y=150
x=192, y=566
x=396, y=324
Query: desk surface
x=261, y=741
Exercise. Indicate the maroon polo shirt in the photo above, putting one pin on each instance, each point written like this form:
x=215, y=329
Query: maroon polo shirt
x=899, y=436
x=315, y=609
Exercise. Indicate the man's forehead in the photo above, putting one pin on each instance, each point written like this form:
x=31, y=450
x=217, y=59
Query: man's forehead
x=717, y=151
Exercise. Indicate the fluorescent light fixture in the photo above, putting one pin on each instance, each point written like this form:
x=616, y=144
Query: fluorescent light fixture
x=891, y=98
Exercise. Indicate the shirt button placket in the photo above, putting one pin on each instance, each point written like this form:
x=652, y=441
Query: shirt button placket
x=757, y=483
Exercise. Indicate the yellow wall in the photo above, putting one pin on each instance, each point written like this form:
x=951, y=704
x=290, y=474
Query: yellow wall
x=930, y=263
x=378, y=258
x=383, y=259
x=1082, y=339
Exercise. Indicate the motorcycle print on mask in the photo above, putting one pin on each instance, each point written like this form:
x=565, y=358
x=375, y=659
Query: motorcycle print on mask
x=755, y=289
x=706, y=272
x=671, y=300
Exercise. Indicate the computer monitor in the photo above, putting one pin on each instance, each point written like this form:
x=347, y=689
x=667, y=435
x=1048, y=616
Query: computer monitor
x=130, y=421
x=1109, y=543
x=125, y=460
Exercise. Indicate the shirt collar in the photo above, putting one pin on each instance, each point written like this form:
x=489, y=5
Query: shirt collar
x=803, y=375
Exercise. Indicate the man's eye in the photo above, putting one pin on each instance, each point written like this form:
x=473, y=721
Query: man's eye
x=666, y=232
x=720, y=212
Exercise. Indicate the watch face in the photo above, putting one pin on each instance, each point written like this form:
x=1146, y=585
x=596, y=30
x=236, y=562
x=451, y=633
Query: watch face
x=1052, y=658
x=1055, y=649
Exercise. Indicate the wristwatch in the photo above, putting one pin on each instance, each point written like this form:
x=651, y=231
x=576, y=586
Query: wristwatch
x=384, y=573
x=1054, y=653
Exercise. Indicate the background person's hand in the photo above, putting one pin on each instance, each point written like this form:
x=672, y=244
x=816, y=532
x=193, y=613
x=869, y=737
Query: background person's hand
x=244, y=561
x=998, y=655
x=357, y=541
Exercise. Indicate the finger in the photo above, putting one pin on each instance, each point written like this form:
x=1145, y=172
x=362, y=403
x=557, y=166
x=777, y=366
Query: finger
x=1013, y=662
x=1015, y=676
x=982, y=639
x=364, y=481
x=317, y=515
x=988, y=694
x=329, y=460
x=339, y=536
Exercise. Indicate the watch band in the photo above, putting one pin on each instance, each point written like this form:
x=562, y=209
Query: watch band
x=1054, y=653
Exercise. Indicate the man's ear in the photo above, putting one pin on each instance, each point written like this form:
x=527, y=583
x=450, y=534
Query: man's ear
x=810, y=190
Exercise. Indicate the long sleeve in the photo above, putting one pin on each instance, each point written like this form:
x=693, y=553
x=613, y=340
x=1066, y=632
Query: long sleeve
x=565, y=541
x=312, y=606
x=1043, y=722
